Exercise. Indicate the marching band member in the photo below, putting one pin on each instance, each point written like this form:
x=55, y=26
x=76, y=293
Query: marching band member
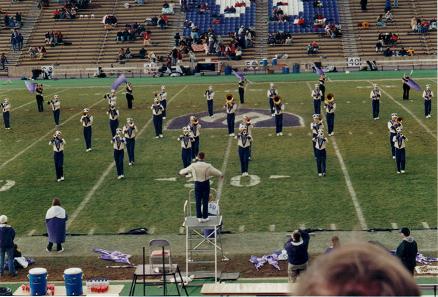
x=55, y=103
x=230, y=107
x=278, y=112
x=119, y=143
x=330, y=107
x=6, y=108
x=113, y=114
x=87, y=121
x=58, y=144
x=163, y=100
x=129, y=96
x=195, y=129
x=322, y=85
x=39, y=97
x=400, y=153
x=406, y=87
x=248, y=125
x=209, y=95
x=242, y=83
x=375, y=101
x=244, y=143
x=392, y=125
x=186, y=141
x=316, y=95
x=321, y=155
x=427, y=96
x=111, y=98
x=272, y=92
x=130, y=130
x=316, y=126
x=157, y=112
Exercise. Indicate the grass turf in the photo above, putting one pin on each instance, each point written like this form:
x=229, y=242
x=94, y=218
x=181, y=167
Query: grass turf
x=140, y=200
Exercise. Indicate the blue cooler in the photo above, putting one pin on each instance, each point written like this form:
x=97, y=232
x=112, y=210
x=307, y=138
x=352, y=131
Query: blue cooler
x=73, y=281
x=296, y=68
x=274, y=61
x=38, y=281
x=228, y=70
x=285, y=70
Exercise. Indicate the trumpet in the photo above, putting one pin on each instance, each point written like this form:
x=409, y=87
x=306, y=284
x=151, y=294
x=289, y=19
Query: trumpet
x=277, y=100
x=229, y=99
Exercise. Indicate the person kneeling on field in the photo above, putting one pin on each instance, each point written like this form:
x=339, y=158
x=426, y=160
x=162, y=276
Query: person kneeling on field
x=297, y=255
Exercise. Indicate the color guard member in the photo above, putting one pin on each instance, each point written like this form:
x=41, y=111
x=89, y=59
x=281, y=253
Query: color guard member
x=322, y=85
x=195, y=129
x=242, y=83
x=6, y=109
x=209, y=95
x=130, y=131
x=406, y=87
x=163, y=100
x=278, y=112
x=244, y=143
x=119, y=143
x=231, y=108
x=58, y=144
x=39, y=97
x=321, y=155
x=272, y=92
x=375, y=101
x=157, y=113
x=186, y=141
x=317, y=97
x=400, y=153
x=330, y=107
x=129, y=95
x=87, y=121
x=113, y=114
x=427, y=96
x=55, y=104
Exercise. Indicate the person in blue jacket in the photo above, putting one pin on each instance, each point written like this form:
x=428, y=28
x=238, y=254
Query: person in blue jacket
x=298, y=257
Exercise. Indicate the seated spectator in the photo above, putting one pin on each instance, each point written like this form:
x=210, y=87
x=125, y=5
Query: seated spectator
x=152, y=57
x=230, y=9
x=167, y=8
x=18, y=19
x=388, y=17
x=238, y=54
x=162, y=22
x=388, y=52
x=147, y=37
x=41, y=54
x=128, y=54
x=414, y=23
x=317, y=4
x=387, y=5
x=142, y=53
x=121, y=54
x=48, y=38
x=364, y=25
x=380, y=22
x=379, y=46
x=410, y=51
x=433, y=25
x=32, y=52
x=109, y=21
x=203, y=7
x=288, y=40
x=313, y=48
x=402, y=52
x=393, y=38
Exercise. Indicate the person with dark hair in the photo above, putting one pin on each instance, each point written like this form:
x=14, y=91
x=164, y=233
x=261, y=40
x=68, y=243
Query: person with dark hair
x=407, y=250
x=363, y=4
x=330, y=107
x=406, y=87
x=201, y=172
x=361, y=269
x=39, y=97
x=56, y=218
x=7, y=236
x=334, y=244
x=129, y=96
x=297, y=255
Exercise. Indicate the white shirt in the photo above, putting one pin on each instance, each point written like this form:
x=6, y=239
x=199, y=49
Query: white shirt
x=209, y=95
x=118, y=143
x=271, y=93
x=56, y=104
x=244, y=140
x=201, y=171
x=58, y=144
x=86, y=120
x=375, y=94
x=316, y=94
x=231, y=109
x=130, y=131
x=157, y=109
x=427, y=94
x=5, y=106
x=320, y=143
x=113, y=114
x=399, y=141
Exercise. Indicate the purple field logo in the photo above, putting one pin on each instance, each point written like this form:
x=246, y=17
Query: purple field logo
x=261, y=118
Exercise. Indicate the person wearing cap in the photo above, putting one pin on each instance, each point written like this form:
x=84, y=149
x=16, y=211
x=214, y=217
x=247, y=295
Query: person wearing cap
x=392, y=125
x=406, y=87
x=111, y=98
x=129, y=95
x=230, y=108
x=278, y=113
x=157, y=113
x=58, y=143
x=119, y=143
x=407, y=250
x=242, y=83
x=163, y=100
x=316, y=95
x=186, y=140
x=322, y=85
x=316, y=126
x=6, y=110
x=209, y=95
x=130, y=131
x=297, y=254
x=113, y=114
x=400, y=153
x=427, y=96
x=244, y=143
x=330, y=106
x=39, y=97
x=375, y=101
x=56, y=219
x=321, y=156
x=87, y=121
x=195, y=130
x=201, y=172
x=7, y=236
x=272, y=92
x=55, y=104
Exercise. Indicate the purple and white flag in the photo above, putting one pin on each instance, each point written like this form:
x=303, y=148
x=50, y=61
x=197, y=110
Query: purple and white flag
x=30, y=86
x=120, y=80
x=413, y=85
x=239, y=75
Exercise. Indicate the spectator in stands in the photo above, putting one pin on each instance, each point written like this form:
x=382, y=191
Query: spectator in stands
x=361, y=269
x=162, y=22
x=56, y=218
x=32, y=52
x=334, y=244
x=7, y=236
x=142, y=53
x=414, y=22
x=313, y=48
x=230, y=9
x=203, y=7
x=128, y=53
x=238, y=54
x=363, y=4
x=41, y=54
x=48, y=38
x=109, y=21
x=177, y=38
x=318, y=4
x=387, y=5
x=388, y=52
x=402, y=52
x=288, y=41
x=296, y=248
x=410, y=51
x=152, y=57
x=3, y=61
x=388, y=17
x=194, y=34
x=167, y=8
x=147, y=38
x=152, y=21
x=121, y=54
x=18, y=19
x=433, y=24
x=379, y=46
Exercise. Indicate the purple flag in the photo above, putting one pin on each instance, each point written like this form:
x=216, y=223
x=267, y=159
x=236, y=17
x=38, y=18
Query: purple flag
x=318, y=70
x=120, y=80
x=239, y=75
x=413, y=85
x=30, y=86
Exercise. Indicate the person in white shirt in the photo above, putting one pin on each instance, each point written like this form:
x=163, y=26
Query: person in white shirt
x=201, y=172
x=58, y=143
x=130, y=131
x=375, y=101
x=230, y=108
x=400, y=153
x=87, y=121
x=119, y=143
x=157, y=116
x=244, y=143
x=330, y=107
x=278, y=113
x=55, y=103
x=317, y=97
x=6, y=108
x=321, y=155
x=209, y=95
x=427, y=96
x=271, y=93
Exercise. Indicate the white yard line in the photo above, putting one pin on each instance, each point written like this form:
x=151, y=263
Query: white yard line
x=101, y=179
x=30, y=102
x=409, y=112
x=43, y=137
x=220, y=184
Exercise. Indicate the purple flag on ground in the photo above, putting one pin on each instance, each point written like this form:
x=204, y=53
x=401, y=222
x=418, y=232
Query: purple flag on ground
x=30, y=86
x=239, y=75
x=413, y=85
x=114, y=256
x=120, y=80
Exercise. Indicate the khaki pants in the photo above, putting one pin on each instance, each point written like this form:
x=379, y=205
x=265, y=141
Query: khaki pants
x=293, y=271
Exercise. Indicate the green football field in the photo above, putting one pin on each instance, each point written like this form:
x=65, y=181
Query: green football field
x=361, y=190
